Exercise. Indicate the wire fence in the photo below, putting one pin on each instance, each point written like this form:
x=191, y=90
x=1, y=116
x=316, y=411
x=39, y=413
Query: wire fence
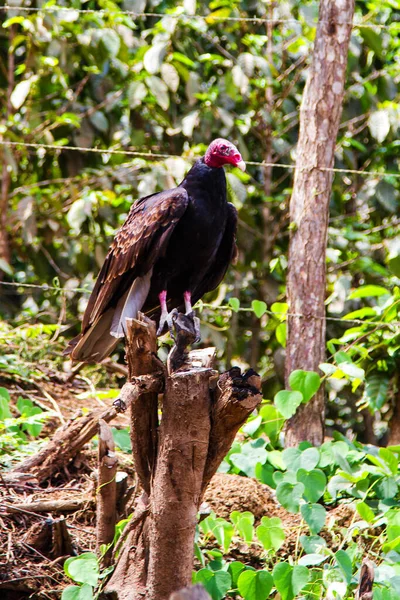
x=157, y=157
x=211, y=17
x=65, y=290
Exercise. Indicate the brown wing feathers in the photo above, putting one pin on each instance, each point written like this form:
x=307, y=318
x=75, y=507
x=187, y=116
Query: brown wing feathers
x=135, y=249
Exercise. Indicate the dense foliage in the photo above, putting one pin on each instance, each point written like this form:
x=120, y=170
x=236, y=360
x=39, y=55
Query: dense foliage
x=110, y=89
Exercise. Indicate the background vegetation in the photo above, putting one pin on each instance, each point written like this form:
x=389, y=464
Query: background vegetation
x=112, y=91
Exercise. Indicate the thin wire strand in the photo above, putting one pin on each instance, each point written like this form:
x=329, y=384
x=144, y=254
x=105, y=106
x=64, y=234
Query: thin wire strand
x=210, y=17
x=157, y=157
x=45, y=287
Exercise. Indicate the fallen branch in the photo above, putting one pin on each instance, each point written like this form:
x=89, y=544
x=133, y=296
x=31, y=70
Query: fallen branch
x=48, y=506
x=71, y=438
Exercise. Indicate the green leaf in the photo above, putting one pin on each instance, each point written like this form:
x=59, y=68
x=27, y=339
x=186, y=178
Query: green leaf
x=137, y=91
x=154, y=57
x=235, y=568
x=272, y=421
x=368, y=291
x=288, y=402
x=5, y=412
x=5, y=267
x=345, y=564
x=376, y=389
x=111, y=41
x=390, y=459
x=314, y=483
x=280, y=334
x=221, y=529
x=379, y=125
x=21, y=91
x=295, y=459
x=122, y=439
x=99, y=121
x=255, y=585
x=365, y=512
x=83, y=568
x=289, y=581
x=159, y=90
x=314, y=515
x=170, y=76
x=305, y=382
x=259, y=308
x=74, y=592
x=244, y=523
x=251, y=453
x=270, y=533
x=234, y=303
x=312, y=544
x=311, y=560
x=352, y=371
x=289, y=495
x=217, y=583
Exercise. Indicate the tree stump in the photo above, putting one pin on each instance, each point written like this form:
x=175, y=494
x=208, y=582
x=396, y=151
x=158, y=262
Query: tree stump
x=174, y=460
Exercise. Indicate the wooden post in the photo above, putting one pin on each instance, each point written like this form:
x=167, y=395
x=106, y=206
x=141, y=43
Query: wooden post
x=106, y=491
x=320, y=113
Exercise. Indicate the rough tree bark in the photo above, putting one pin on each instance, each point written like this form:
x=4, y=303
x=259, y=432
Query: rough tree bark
x=5, y=174
x=199, y=421
x=309, y=208
x=106, y=513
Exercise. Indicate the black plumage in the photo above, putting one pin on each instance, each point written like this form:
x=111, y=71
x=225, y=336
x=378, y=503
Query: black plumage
x=177, y=241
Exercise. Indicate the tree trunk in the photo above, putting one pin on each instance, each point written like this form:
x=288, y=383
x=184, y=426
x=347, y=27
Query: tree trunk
x=5, y=174
x=394, y=424
x=309, y=209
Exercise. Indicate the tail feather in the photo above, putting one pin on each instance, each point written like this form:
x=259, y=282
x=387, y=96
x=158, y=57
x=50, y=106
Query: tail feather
x=130, y=304
x=97, y=343
x=104, y=334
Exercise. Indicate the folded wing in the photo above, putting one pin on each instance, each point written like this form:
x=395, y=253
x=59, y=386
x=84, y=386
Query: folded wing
x=124, y=280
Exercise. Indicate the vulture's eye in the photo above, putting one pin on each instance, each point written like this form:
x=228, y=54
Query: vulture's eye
x=224, y=149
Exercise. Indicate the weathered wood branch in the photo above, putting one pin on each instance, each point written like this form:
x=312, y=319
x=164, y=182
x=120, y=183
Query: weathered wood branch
x=236, y=396
x=141, y=349
x=106, y=512
x=71, y=438
x=367, y=574
x=48, y=506
x=320, y=113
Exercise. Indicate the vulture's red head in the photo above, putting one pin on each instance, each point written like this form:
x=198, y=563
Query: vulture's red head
x=221, y=152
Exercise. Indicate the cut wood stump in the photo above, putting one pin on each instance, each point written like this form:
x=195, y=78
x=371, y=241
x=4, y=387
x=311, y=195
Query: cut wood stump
x=175, y=460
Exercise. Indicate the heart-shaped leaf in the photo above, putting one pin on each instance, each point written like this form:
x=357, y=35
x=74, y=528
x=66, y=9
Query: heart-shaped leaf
x=314, y=483
x=306, y=382
x=255, y=585
x=287, y=402
x=314, y=515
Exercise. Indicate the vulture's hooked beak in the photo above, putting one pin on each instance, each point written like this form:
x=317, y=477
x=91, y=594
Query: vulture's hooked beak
x=241, y=165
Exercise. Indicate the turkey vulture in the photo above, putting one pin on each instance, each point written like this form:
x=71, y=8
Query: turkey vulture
x=174, y=247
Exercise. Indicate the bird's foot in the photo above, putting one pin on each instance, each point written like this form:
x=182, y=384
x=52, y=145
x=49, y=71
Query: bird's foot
x=196, y=323
x=168, y=318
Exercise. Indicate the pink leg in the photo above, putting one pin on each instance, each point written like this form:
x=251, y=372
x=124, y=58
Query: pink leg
x=187, y=296
x=163, y=301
